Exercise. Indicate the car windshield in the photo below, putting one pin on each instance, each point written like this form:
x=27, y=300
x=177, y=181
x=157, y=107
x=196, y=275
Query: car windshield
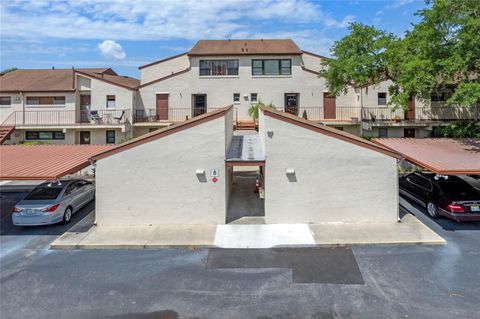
x=43, y=193
x=455, y=187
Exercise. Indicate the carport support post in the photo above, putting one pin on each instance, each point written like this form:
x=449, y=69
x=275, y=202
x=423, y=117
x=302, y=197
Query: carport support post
x=398, y=191
x=94, y=164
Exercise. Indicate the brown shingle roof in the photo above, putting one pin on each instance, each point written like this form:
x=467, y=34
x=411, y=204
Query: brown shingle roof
x=37, y=80
x=120, y=80
x=57, y=80
x=245, y=47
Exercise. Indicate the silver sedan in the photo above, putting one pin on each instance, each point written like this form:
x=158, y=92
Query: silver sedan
x=53, y=202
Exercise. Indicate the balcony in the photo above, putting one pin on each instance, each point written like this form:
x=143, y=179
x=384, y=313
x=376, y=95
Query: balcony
x=170, y=115
x=384, y=115
x=339, y=114
x=68, y=118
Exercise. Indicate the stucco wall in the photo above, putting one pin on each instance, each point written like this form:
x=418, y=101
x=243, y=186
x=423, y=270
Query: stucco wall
x=334, y=181
x=420, y=132
x=39, y=114
x=124, y=98
x=164, y=68
x=220, y=89
x=156, y=182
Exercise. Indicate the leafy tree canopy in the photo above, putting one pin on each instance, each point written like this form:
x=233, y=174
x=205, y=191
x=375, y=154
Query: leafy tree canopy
x=8, y=70
x=442, y=51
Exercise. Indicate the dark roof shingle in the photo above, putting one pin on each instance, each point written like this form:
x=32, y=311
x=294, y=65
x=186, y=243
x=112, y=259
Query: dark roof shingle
x=245, y=47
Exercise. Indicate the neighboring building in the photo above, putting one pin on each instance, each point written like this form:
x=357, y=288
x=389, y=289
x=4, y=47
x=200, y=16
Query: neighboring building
x=100, y=106
x=353, y=180
x=67, y=106
x=219, y=72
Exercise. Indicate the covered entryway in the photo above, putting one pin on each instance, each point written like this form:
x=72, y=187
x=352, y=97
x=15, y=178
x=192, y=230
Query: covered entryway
x=246, y=159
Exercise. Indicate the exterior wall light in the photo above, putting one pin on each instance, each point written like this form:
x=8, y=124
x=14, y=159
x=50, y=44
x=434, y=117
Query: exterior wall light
x=290, y=171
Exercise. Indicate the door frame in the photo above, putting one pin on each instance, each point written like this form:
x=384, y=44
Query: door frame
x=410, y=113
x=194, y=105
x=162, y=115
x=84, y=111
x=328, y=95
x=80, y=133
x=291, y=109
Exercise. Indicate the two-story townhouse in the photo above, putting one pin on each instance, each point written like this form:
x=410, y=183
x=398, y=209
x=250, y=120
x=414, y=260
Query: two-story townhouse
x=215, y=73
x=67, y=106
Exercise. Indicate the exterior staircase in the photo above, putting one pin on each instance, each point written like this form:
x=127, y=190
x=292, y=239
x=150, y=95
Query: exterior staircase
x=5, y=131
x=245, y=126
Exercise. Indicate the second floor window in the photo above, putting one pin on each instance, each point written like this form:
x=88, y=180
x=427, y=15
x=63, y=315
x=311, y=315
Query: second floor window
x=253, y=97
x=5, y=100
x=45, y=100
x=218, y=67
x=110, y=101
x=272, y=67
x=382, y=98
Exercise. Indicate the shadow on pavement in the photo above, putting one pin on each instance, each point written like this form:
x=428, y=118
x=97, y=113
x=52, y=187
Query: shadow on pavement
x=9, y=199
x=445, y=223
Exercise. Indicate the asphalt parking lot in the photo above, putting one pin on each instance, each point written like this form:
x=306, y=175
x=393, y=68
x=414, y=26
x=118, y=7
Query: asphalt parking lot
x=378, y=282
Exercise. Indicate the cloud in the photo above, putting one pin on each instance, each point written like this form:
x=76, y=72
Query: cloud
x=112, y=50
x=399, y=3
x=158, y=20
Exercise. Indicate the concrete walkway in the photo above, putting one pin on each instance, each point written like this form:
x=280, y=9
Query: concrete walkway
x=409, y=231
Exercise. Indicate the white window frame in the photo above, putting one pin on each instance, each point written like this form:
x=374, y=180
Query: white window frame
x=6, y=105
x=108, y=107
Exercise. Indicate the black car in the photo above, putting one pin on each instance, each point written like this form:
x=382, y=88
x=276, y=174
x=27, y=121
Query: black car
x=448, y=196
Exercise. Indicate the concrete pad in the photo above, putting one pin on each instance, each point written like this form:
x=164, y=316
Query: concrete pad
x=137, y=237
x=116, y=237
x=263, y=236
x=182, y=236
x=409, y=231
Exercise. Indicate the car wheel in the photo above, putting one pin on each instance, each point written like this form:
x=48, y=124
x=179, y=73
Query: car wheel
x=67, y=216
x=432, y=210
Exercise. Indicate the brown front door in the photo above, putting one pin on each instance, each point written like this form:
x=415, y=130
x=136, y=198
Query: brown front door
x=329, y=107
x=162, y=107
x=411, y=109
x=291, y=103
x=85, y=102
x=84, y=137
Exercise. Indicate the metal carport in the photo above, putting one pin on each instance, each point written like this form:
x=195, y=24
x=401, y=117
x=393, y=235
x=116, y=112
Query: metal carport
x=45, y=162
x=444, y=156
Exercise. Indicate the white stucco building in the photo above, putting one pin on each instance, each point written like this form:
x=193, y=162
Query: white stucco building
x=56, y=105
x=184, y=174
x=67, y=106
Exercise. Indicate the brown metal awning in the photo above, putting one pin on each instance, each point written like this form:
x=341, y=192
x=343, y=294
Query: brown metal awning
x=446, y=156
x=45, y=162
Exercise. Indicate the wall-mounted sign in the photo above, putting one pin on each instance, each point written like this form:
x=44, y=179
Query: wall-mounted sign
x=215, y=172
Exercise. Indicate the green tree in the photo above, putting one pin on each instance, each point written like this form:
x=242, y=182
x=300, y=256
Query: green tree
x=442, y=51
x=8, y=70
x=255, y=109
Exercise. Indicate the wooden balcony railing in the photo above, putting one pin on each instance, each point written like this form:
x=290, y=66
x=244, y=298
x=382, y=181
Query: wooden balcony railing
x=68, y=117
